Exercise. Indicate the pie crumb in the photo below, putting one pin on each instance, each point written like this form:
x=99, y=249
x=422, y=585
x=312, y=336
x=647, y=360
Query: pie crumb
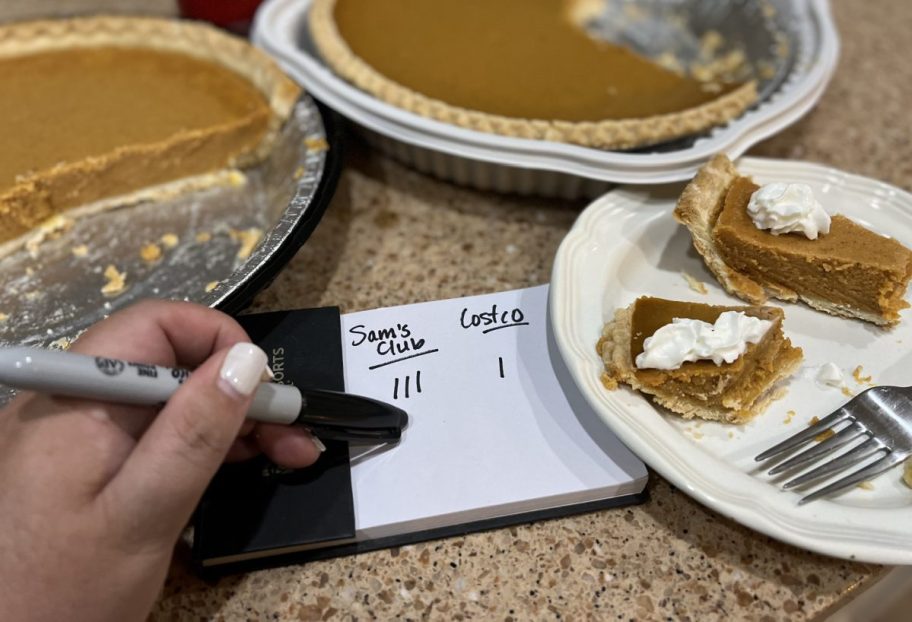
x=789, y=416
x=117, y=281
x=151, y=252
x=80, y=251
x=248, y=239
x=866, y=485
x=316, y=143
x=847, y=392
x=823, y=435
x=203, y=237
x=781, y=48
x=694, y=284
x=710, y=42
x=3, y=317
x=731, y=434
x=299, y=173
x=765, y=70
x=50, y=229
x=60, y=344
x=170, y=240
x=670, y=62
x=609, y=382
x=237, y=179
x=211, y=285
x=856, y=374
x=582, y=11
x=907, y=472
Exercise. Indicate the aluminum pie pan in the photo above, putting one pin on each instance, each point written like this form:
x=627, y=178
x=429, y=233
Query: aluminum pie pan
x=53, y=292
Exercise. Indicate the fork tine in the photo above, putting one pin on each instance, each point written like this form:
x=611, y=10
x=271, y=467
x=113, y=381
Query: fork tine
x=846, y=435
x=850, y=458
x=805, y=435
x=885, y=463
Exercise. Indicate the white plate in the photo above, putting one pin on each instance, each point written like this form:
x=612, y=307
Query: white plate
x=281, y=29
x=627, y=244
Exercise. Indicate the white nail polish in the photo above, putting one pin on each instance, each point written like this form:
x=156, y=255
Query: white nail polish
x=243, y=367
x=318, y=443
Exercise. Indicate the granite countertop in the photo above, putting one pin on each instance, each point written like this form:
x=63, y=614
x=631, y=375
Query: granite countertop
x=393, y=236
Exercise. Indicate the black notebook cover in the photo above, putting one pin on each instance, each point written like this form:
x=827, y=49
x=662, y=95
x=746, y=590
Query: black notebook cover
x=254, y=510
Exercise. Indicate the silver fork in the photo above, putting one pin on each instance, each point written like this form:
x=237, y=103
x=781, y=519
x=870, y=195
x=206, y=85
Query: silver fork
x=880, y=415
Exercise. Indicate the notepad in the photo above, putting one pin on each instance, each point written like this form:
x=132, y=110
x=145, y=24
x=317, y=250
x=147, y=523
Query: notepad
x=498, y=434
x=496, y=426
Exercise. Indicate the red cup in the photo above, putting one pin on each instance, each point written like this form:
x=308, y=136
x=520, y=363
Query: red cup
x=233, y=15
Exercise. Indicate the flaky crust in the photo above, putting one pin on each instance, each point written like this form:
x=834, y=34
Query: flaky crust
x=191, y=38
x=698, y=209
x=607, y=134
x=614, y=349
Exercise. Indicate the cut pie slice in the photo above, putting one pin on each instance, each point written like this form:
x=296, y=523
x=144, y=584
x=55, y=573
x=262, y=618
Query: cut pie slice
x=851, y=271
x=109, y=106
x=730, y=392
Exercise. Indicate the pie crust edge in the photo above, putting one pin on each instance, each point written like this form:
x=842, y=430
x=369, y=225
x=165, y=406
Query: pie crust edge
x=698, y=209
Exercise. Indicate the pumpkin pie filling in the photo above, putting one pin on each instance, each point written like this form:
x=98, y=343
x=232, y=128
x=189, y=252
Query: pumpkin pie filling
x=850, y=266
x=517, y=68
x=512, y=58
x=850, y=271
x=732, y=392
x=113, y=107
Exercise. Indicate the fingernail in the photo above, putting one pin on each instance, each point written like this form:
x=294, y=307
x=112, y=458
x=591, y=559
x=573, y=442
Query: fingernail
x=318, y=443
x=267, y=375
x=242, y=369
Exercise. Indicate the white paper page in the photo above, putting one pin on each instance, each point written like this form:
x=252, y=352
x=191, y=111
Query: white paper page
x=496, y=425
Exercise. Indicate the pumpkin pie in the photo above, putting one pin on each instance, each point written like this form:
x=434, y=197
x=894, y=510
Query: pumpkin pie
x=516, y=68
x=731, y=392
x=851, y=271
x=109, y=106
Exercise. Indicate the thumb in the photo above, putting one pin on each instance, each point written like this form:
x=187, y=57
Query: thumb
x=165, y=475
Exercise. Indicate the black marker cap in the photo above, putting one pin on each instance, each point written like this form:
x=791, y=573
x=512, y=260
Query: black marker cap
x=343, y=416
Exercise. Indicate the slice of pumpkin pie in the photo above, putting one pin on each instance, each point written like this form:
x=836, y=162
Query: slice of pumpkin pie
x=718, y=363
x=777, y=241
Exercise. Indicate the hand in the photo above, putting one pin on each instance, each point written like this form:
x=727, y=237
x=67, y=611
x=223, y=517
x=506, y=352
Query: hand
x=93, y=496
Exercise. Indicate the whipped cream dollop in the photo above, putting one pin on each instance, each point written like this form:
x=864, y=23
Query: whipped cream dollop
x=690, y=340
x=830, y=375
x=784, y=208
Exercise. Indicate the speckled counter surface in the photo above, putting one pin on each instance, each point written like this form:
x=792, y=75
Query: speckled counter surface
x=393, y=236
